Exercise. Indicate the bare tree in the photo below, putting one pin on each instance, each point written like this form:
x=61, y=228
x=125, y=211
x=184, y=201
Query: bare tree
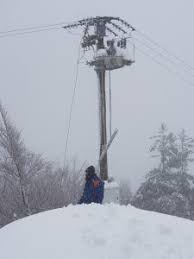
x=28, y=183
x=13, y=155
x=18, y=167
x=72, y=183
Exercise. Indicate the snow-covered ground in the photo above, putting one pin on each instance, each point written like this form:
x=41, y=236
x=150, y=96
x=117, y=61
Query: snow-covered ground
x=98, y=232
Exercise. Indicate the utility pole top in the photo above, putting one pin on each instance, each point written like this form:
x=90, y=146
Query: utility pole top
x=97, y=28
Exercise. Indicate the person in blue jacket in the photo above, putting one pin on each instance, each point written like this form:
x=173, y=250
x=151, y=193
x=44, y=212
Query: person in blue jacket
x=94, y=188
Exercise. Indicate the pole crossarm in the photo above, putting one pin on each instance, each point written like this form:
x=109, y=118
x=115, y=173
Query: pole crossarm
x=111, y=31
x=100, y=21
x=126, y=24
x=119, y=28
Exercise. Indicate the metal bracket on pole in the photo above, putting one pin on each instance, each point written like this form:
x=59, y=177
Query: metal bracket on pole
x=106, y=147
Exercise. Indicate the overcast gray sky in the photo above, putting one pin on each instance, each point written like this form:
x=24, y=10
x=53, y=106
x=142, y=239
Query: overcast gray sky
x=37, y=73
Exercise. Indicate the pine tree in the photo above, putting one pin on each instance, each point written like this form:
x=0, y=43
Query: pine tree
x=165, y=148
x=186, y=150
x=169, y=188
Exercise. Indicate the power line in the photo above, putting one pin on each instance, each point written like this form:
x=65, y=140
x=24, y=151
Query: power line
x=27, y=32
x=164, y=66
x=165, y=49
x=34, y=31
x=57, y=26
x=72, y=102
x=33, y=28
x=167, y=58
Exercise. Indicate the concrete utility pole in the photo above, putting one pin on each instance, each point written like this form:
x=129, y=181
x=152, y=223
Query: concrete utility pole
x=104, y=35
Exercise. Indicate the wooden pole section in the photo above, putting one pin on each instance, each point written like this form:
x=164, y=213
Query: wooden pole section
x=103, y=132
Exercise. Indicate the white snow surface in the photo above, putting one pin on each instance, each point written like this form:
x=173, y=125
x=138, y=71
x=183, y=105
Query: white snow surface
x=111, y=185
x=98, y=232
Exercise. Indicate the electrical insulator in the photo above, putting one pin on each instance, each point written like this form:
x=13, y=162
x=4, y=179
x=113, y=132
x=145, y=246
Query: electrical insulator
x=123, y=43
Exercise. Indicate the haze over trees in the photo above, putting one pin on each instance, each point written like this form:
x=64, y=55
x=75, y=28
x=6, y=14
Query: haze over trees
x=30, y=184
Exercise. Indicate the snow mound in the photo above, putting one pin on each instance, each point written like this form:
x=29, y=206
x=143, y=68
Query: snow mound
x=98, y=232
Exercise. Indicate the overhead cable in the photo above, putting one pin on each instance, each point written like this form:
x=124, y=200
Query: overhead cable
x=33, y=28
x=164, y=49
x=27, y=32
x=72, y=102
x=165, y=57
x=178, y=75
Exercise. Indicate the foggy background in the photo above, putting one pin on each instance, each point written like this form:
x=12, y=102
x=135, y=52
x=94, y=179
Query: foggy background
x=37, y=73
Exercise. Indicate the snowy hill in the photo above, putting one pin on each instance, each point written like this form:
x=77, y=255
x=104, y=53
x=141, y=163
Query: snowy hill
x=98, y=232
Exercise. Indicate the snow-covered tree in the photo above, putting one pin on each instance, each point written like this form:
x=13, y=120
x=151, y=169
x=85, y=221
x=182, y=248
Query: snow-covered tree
x=29, y=183
x=164, y=193
x=165, y=148
x=13, y=156
x=186, y=150
x=18, y=168
x=165, y=189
